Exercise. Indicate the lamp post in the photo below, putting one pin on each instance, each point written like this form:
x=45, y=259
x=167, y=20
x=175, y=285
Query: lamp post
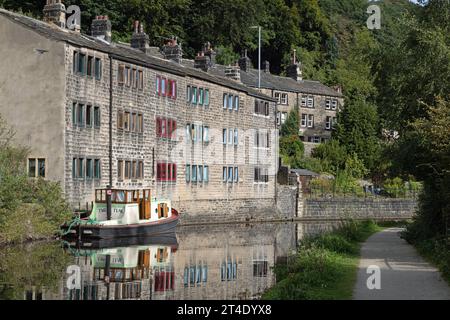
x=259, y=54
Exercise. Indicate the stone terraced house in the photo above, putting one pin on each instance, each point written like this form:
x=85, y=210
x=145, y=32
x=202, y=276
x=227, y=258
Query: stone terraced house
x=94, y=112
x=317, y=104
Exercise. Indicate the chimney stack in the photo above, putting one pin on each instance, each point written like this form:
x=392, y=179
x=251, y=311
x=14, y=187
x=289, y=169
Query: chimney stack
x=201, y=61
x=294, y=71
x=266, y=66
x=55, y=12
x=172, y=50
x=210, y=53
x=233, y=72
x=101, y=28
x=140, y=40
x=206, y=58
x=244, y=62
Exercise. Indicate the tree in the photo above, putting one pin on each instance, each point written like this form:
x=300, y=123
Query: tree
x=358, y=129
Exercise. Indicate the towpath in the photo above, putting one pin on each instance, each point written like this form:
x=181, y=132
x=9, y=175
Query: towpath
x=404, y=275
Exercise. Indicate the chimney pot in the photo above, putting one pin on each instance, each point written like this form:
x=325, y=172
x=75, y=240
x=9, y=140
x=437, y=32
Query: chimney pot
x=172, y=50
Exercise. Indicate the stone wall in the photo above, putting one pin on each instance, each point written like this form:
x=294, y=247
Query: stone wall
x=359, y=208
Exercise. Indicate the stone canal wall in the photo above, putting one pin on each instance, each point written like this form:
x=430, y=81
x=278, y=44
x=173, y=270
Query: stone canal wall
x=358, y=208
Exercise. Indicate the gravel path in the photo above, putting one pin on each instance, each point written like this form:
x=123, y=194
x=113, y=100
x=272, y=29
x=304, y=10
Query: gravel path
x=404, y=275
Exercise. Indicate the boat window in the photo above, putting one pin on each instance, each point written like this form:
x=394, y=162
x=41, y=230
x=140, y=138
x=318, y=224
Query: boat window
x=120, y=196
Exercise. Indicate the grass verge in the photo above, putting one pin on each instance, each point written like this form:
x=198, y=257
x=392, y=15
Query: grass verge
x=436, y=252
x=325, y=266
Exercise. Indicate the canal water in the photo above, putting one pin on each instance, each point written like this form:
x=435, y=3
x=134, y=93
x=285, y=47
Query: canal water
x=198, y=262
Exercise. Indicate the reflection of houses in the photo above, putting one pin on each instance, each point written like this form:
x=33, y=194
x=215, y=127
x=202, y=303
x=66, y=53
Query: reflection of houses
x=125, y=273
x=225, y=262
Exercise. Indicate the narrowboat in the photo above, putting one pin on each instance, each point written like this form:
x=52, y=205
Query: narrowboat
x=134, y=213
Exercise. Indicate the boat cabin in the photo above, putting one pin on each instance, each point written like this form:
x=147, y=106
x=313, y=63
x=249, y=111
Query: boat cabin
x=131, y=206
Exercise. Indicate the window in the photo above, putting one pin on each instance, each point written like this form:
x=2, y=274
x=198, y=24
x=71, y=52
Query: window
x=158, y=85
x=140, y=123
x=199, y=173
x=230, y=102
x=225, y=101
x=230, y=136
x=173, y=89
x=314, y=139
x=89, y=169
x=304, y=101
x=188, y=173
x=128, y=76
x=165, y=128
x=334, y=122
x=200, y=96
x=206, y=102
x=205, y=173
x=80, y=168
x=97, y=169
x=261, y=175
x=262, y=108
x=224, y=136
x=310, y=102
x=225, y=174
x=310, y=121
x=120, y=119
x=38, y=171
x=194, y=173
x=120, y=169
x=328, y=104
x=236, y=137
x=98, y=68
x=334, y=104
x=230, y=174
x=260, y=268
x=328, y=123
x=81, y=64
x=88, y=116
x=97, y=117
x=188, y=94
x=277, y=96
x=126, y=121
x=121, y=74
x=166, y=172
x=90, y=65
x=141, y=79
x=127, y=170
x=284, y=98
x=236, y=103
x=205, y=134
x=304, y=120
x=194, y=95
x=236, y=174
x=32, y=168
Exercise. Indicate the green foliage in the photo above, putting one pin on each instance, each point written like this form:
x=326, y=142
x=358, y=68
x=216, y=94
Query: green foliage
x=38, y=265
x=324, y=267
x=357, y=130
x=291, y=149
x=226, y=55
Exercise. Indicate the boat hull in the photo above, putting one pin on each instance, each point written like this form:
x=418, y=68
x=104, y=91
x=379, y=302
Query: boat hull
x=123, y=231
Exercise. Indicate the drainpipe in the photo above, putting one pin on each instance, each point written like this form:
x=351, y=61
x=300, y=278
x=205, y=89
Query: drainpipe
x=108, y=192
x=276, y=135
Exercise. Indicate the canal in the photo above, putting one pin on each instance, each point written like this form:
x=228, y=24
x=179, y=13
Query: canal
x=198, y=262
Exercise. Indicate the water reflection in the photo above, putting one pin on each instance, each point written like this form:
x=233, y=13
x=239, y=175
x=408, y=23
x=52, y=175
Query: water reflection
x=199, y=262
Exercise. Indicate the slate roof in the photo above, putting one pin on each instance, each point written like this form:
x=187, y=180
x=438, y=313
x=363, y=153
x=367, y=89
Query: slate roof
x=274, y=82
x=126, y=53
